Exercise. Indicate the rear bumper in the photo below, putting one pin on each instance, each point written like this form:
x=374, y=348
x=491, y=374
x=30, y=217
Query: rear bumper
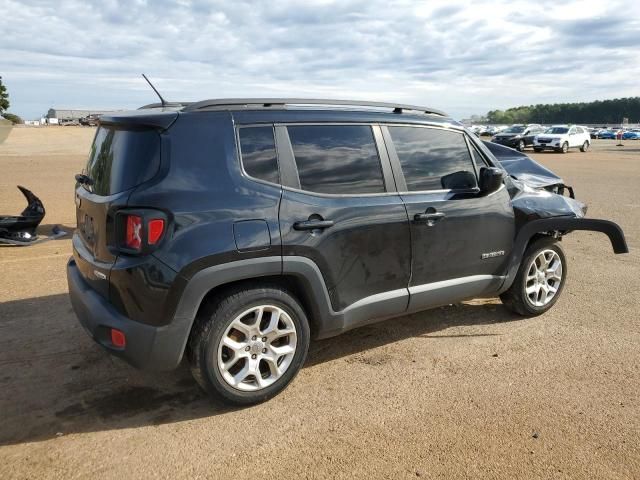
x=147, y=347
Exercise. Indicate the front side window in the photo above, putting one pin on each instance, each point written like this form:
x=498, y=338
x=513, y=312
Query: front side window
x=258, y=151
x=433, y=159
x=337, y=159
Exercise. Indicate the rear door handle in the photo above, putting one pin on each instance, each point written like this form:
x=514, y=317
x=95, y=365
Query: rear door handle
x=313, y=225
x=428, y=218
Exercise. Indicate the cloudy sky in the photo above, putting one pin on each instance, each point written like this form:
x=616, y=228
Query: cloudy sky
x=464, y=57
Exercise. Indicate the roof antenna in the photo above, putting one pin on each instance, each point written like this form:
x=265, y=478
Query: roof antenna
x=162, y=100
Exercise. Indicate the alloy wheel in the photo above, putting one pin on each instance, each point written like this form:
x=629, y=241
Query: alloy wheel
x=544, y=277
x=257, y=348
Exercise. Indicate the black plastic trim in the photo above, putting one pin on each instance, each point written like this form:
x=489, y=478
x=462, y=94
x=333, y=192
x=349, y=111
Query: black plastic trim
x=560, y=224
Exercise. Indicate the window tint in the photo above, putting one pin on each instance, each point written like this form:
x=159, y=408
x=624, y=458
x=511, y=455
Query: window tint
x=122, y=159
x=258, y=150
x=337, y=159
x=433, y=159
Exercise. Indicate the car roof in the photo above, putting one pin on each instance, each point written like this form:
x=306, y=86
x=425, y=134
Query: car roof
x=265, y=110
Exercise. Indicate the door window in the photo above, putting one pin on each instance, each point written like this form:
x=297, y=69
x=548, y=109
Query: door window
x=258, y=151
x=433, y=159
x=337, y=159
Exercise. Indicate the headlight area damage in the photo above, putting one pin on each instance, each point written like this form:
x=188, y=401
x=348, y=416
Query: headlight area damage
x=21, y=229
x=541, y=207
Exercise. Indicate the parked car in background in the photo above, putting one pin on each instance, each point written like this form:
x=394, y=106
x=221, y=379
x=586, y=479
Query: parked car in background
x=607, y=134
x=518, y=136
x=561, y=138
x=68, y=122
x=90, y=120
x=593, y=132
x=631, y=135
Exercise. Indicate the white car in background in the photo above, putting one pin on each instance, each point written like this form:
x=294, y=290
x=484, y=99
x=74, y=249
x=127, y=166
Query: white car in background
x=561, y=138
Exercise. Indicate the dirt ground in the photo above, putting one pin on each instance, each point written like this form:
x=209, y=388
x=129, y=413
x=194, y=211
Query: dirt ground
x=466, y=391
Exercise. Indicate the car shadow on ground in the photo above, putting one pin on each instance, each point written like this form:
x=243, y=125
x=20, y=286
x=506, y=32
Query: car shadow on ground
x=55, y=381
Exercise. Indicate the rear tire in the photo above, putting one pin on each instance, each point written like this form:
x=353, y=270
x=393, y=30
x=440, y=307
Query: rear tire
x=537, y=285
x=520, y=146
x=585, y=146
x=248, y=344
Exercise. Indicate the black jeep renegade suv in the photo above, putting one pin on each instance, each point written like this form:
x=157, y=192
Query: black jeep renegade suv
x=234, y=231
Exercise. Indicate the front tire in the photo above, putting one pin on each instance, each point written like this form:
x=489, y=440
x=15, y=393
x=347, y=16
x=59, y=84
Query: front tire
x=540, y=279
x=520, y=146
x=565, y=147
x=585, y=146
x=249, y=344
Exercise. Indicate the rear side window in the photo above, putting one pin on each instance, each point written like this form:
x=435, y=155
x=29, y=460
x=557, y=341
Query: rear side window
x=122, y=159
x=337, y=159
x=258, y=150
x=433, y=159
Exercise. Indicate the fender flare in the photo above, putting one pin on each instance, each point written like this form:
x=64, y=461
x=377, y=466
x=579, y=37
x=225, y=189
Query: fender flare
x=562, y=224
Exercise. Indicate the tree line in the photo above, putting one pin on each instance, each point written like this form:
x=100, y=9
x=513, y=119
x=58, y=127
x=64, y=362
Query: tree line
x=600, y=111
x=4, y=105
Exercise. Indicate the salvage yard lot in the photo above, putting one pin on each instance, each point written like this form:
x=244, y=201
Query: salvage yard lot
x=469, y=390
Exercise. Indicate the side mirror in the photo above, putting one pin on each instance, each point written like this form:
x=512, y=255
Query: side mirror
x=490, y=179
x=461, y=180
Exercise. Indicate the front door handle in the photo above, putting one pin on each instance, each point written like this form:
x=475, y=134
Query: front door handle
x=313, y=225
x=428, y=218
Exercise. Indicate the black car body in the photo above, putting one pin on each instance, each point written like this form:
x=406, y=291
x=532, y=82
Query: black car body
x=358, y=214
x=518, y=136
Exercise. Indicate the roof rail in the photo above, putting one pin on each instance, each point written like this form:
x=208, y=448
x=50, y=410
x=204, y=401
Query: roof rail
x=225, y=103
x=166, y=104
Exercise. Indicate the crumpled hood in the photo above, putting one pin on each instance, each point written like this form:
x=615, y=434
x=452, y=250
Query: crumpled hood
x=522, y=167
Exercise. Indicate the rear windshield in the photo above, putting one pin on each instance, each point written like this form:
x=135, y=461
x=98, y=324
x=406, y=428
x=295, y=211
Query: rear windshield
x=122, y=159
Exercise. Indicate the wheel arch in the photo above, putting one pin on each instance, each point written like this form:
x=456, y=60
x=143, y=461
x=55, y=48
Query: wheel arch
x=298, y=275
x=548, y=226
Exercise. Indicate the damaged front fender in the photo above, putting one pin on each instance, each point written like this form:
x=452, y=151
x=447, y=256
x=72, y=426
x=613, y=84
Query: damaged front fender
x=560, y=224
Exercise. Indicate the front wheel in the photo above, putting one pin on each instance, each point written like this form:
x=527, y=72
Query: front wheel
x=520, y=146
x=540, y=279
x=585, y=146
x=565, y=147
x=249, y=344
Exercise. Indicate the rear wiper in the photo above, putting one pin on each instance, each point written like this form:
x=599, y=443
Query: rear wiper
x=84, y=179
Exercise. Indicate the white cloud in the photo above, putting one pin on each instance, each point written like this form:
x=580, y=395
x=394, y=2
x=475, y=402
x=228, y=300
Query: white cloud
x=461, y=56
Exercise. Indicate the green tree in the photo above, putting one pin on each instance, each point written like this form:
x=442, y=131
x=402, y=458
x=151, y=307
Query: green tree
x=4, y=97
x=600, y=111
x=12, y=117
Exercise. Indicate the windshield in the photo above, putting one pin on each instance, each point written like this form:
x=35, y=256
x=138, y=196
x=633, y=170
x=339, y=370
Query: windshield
x=556, y=130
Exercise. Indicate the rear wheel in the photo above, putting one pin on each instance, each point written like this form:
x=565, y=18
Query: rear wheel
x=520, y=146
x=249, y=345
x=540, y=279
x=585, y=146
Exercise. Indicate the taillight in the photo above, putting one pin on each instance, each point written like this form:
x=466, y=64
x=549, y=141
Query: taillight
x=140, y=230
x=133, y=238
x=155, y=230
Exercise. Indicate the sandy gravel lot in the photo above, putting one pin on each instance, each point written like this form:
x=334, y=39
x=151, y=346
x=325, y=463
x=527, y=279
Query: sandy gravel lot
x=466, y=391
